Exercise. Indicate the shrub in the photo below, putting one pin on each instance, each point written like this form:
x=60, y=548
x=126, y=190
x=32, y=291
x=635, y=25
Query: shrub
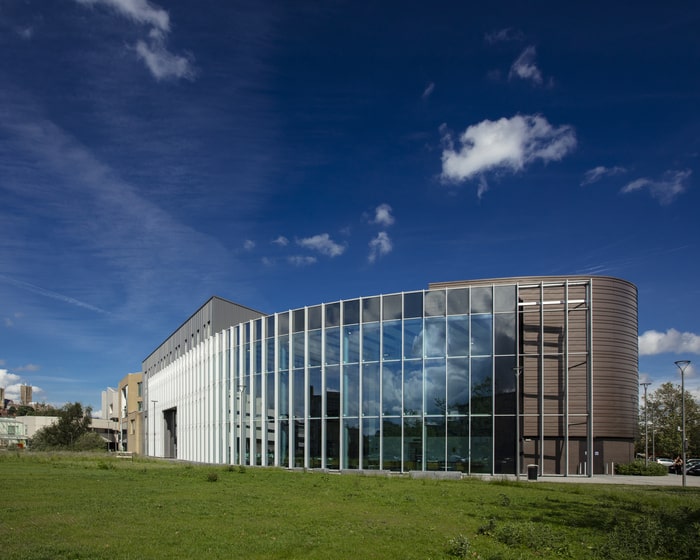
x=213, y=476
x=638, y=468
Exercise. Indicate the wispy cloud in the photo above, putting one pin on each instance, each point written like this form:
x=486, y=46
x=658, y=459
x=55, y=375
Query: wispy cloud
x=383, y=216
x=666, y=189
x=282, y=241
x=323, y=244
x=672, y=341
x=380, y=246
x=300, y=260
x=503, y=145
x=249, y=245
x=505, y=35
x=50, y=294
x=525, y=67
x=428, y=91
x=597, y=173
x=153, y=51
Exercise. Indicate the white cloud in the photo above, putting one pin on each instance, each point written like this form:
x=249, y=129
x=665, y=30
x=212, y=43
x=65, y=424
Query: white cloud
x=382, y=216
x=503, y=35
x=282, y=241
x=11, y=383
x=597, y=173
x=665, y=189
x=672, y=341
x=249, y=245
x=158, y=59
x=299, y=260
x=323, y=244
x=525, y=67
x=427, y=92
x=379, y=246
x=505, y=144
x=28, y=367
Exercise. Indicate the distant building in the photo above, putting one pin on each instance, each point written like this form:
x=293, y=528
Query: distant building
x=25, y=394
x=13, y=434
x=482, y=377
x=131, y=413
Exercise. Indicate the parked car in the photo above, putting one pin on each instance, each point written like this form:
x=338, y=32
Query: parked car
x=665, y=461
x=693, y=470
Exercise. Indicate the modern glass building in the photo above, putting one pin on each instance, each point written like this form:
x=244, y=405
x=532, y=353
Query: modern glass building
x=482, y=377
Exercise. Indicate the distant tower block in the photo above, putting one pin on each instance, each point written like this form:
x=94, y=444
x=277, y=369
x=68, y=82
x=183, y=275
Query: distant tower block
x=25, y=394
x=2, y=398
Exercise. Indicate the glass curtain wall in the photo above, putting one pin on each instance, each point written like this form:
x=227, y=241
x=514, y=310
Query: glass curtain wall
x=412, y=381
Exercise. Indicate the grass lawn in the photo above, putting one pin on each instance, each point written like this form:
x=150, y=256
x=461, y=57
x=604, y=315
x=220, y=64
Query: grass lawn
x=72, y=506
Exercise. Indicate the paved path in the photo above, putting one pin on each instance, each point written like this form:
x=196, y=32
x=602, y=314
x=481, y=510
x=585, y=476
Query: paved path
x=668, y=480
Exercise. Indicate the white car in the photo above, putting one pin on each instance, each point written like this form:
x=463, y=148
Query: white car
x=664, y=461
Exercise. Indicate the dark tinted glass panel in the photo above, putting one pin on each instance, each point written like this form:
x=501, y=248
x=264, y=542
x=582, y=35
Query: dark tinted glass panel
x=314, y=317
x=258, y=329
x=434, y=443
x=351, y=312
x=370, y=342
x=298, y=443
x=413, y=444
x=458, y=341
x=351, y=390
x=481, y=300
x=458, y=301
x=283, y=323
x=391, y=389
x=413, y=387
x=298, y=320
x=370, y=443
x=482, y=444
x=458, y=386
x=333, y=315
x=333, y=345
x=413, y=304
x=370, y=310
x=257, y=346
x=504, y=298
x=392, y=307
x=315, y=444
x=283, y=394
x=299, y=393
x=270, y=326
x=504, y=401
x=482, y=385
x=333, y=444
x=314, y=358
x=370, y=389
x=284, y=443
x=391, y=339
x=504, y=445
x=504, y=333
x=481, y=335
x=435, y=387
x=458, y=444
x=270, y=395
x=351, y=344
x=434, y=337
x=283, y=349
x=315, y=392
x=391, y=433
x=435, y=303
x=413, y=338
x=270, y=354
x=351, y=433
x=333, y=391
x=298, y=349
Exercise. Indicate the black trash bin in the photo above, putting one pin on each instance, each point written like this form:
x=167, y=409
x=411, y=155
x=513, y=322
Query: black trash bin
x=532, y=472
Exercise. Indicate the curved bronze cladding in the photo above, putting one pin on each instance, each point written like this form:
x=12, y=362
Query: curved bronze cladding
x=614, y=356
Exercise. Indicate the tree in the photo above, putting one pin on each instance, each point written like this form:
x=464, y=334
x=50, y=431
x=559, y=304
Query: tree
x=73, y=423
x=665, y=419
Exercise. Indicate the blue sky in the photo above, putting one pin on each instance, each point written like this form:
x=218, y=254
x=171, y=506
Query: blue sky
x=282, y=154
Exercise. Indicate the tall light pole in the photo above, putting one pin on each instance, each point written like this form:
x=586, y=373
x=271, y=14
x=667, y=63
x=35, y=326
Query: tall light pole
x=682, y=365
x=517, y=370
x=646, y=425
x=154, y=427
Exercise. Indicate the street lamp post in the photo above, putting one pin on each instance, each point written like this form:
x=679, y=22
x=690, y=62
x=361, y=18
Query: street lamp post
x=154, y=426
x=517, y=423
x=682, y=365
x=646, y=425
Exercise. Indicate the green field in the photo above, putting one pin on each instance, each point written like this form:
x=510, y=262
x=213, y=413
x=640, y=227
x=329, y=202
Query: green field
x=75, y=506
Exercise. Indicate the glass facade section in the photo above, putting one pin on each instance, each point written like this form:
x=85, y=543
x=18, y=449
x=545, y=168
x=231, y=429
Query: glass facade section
x=412, y=381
